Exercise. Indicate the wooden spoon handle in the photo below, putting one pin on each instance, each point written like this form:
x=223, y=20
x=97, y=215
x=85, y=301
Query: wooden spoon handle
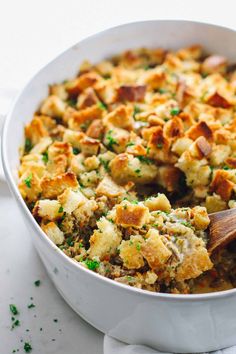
x=222, y=229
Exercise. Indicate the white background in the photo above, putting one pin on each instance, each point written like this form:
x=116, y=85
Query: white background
x=32, y=33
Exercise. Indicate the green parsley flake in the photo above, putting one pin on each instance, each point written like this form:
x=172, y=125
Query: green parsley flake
x=15, y=324
x=138, y=247
x=159, y=146
x=13, y=309
x=60, y=210
x=174, y=111
x=72, y=101
x=92, y=264
x=130, y=144
x=111, y=140
x=105, y=164
x=27, y=347
x=30, y=306
x=45, y=157
x=75, y=151
x=28, y=180
x=102, y=105
x=136, y=110
x=70, y=241
x=28, y=145
x=37, y=283
x=144, y=159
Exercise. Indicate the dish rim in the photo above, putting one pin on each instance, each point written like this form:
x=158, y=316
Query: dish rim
x=48, y=243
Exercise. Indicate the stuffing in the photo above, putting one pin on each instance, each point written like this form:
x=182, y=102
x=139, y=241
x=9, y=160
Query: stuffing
x=128, y=214
x=53, y=106
x=122, y=164
x=53, y=232
x=48, y=209
x=158, y=203
x=130, y=252
x=51, y=188
x=71, y=200
x=125, y=167
x=109, y=188
x=105, y=240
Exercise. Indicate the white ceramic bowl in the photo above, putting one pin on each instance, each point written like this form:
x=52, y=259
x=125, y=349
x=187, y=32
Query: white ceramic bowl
x=175, y=323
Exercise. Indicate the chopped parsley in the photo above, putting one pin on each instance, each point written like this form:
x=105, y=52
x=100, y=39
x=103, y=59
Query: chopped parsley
x=130, y=143
x=138, y=247
x=70, y=241
x=15, y=324
x=75, y=151
x=110, y=140
x=102, y=105
x=31, y=306
x=186, y=223
x=131, y=242
x=148, y=150
x=72, y=101
x=13, y=309
x=28, y=180
x=226, y=168
x=105, y=164
x=28, y=145
x=144, y=159
x=92, y=264
x=45, y=157
x=60, y=210
x=174, y=111
x=27, y=347
x=137, y=171
x=136, y=110
x=37, y=282
x=159, y=146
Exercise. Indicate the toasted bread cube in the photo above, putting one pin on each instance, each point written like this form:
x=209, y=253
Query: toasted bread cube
x=160, y=202
x=200, y=218
x=73, y=137
x=35, y=131
x=200, y=129
x=109, y=188
x=71, y=200
x=222, y=185
x=121, y=117
x=116, y=139
x=195, y=262
x=181, y=145
x=85, y=211
x=89, y=146
x=214, y=203
x=131, y=93
x=47, y=209
x=54, y=233
x=169, y=177
x=53, y=106
x=77, y=164
x=91, y=163
x=200, y=148
x=29, y=186
x=81, y=83
x=60, y=91
x=105, y=240
x=125, y=168
x=41, y=146
x=214, y=64
x=32, y=167
x=51, y=188
x=95, y=129
x=130, y=252
x=128, y=214
x=87, y=114
x=218, y=100
x=154, y=250
x=87, y=99
x=219, y=154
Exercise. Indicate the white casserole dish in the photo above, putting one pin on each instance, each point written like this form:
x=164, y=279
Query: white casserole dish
x=175, y=323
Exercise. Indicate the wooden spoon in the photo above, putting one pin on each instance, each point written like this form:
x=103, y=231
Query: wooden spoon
x=222, y=229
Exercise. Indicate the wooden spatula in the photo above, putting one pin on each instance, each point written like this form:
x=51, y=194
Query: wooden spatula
x=222, y=229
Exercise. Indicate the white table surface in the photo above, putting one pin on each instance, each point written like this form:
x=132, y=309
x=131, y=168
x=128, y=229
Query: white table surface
x=32, y=33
